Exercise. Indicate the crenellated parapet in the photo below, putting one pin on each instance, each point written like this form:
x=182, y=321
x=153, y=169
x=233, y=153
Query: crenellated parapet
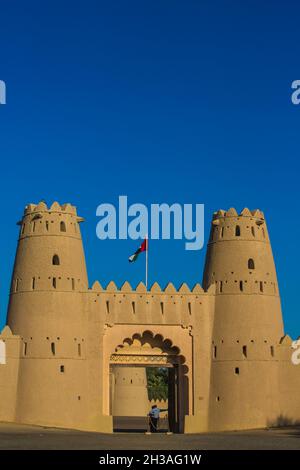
x=232, y=212
x=57, y=219
x=246, y=225
x=154, y=289
x=55, y=207
x=166, y=304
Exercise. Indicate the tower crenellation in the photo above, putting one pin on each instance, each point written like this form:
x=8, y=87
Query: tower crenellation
x=247, y=225
x=239, y=256
x=58, y=219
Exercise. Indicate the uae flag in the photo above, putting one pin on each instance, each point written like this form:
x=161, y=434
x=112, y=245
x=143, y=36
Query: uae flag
x=142, y=248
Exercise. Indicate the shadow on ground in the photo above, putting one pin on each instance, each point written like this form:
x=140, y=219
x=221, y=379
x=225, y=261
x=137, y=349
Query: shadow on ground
x=19, y=437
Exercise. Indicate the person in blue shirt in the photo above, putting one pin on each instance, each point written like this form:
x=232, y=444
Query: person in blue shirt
x=154, y=417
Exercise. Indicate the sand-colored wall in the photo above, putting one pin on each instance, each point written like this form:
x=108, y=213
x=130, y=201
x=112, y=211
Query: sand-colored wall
x=9, y=371
x=129, y=391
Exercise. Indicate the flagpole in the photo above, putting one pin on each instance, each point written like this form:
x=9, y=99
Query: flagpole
x=147, y=262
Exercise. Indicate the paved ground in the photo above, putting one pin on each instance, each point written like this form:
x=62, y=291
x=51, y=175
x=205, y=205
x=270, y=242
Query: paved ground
x=33, y=437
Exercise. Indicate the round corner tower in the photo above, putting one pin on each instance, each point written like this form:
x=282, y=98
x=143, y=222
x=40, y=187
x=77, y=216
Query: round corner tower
x=49, y=265
x=46, y=309
x=247, y=321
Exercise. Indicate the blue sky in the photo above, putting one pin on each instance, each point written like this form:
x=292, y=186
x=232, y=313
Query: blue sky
x=166, y=101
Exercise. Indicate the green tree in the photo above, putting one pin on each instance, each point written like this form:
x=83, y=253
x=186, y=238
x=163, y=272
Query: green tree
x=157, y=383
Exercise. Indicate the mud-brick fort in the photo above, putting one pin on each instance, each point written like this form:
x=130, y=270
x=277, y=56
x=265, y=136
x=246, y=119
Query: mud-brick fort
x=74, y=356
